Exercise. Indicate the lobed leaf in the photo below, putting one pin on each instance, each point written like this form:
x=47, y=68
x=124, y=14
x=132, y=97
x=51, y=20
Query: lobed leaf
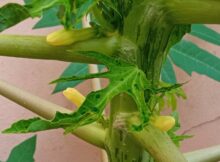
x=123, y=78
x=191, y=58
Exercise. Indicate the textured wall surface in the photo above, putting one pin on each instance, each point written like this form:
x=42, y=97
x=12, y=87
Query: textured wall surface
x=199, y=114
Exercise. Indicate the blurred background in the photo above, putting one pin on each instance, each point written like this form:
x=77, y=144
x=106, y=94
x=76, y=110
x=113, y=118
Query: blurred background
x=199, y=115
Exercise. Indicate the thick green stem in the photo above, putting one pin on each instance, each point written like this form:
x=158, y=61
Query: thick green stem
x=153, y=34
x=193, y=11
x=123, y=145
x=158, y=144
x=120, y=146
x=36, y=47
x=93, y=133
x=211, y=154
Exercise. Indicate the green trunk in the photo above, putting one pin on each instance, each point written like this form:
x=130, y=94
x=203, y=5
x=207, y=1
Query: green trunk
x=120, y=146
x=153, y=34
x=148, y=25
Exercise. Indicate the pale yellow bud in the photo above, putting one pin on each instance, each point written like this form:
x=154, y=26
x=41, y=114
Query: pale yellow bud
x=66, y=37
x=74, y=96
x=164, y=123
x=61, y=37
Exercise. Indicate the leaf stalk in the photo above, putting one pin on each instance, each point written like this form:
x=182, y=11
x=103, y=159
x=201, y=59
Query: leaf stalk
x=36, y=47
x=92, y=133
x=194, y=11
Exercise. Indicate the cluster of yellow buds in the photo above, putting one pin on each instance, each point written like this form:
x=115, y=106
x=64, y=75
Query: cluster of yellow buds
x=66, y=37
x=74, y=96
x=164, y=123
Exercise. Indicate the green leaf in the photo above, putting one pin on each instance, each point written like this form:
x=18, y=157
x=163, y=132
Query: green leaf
x=48, y=19
x=190, y=57
x=24, y=152
x=25, y=126
x=36, y=7
x=123, y=78
x=168, y=74
x=206, y=33
x=84, y=8
x=172, y=133
x=177, y=139
x=167, y=98
x=11, y=14
x=73, y=69
x=53, y=12
x=65, y=12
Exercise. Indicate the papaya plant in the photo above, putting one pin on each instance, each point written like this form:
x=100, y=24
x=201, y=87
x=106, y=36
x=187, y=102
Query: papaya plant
x=137, y=42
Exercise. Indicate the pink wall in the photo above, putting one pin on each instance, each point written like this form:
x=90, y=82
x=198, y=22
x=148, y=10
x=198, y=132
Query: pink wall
x=201, y=108
x=200, y=114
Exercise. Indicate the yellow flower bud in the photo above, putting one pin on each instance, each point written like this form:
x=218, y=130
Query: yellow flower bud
x=164, y=123
x=66, y=37
x=74, y=96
